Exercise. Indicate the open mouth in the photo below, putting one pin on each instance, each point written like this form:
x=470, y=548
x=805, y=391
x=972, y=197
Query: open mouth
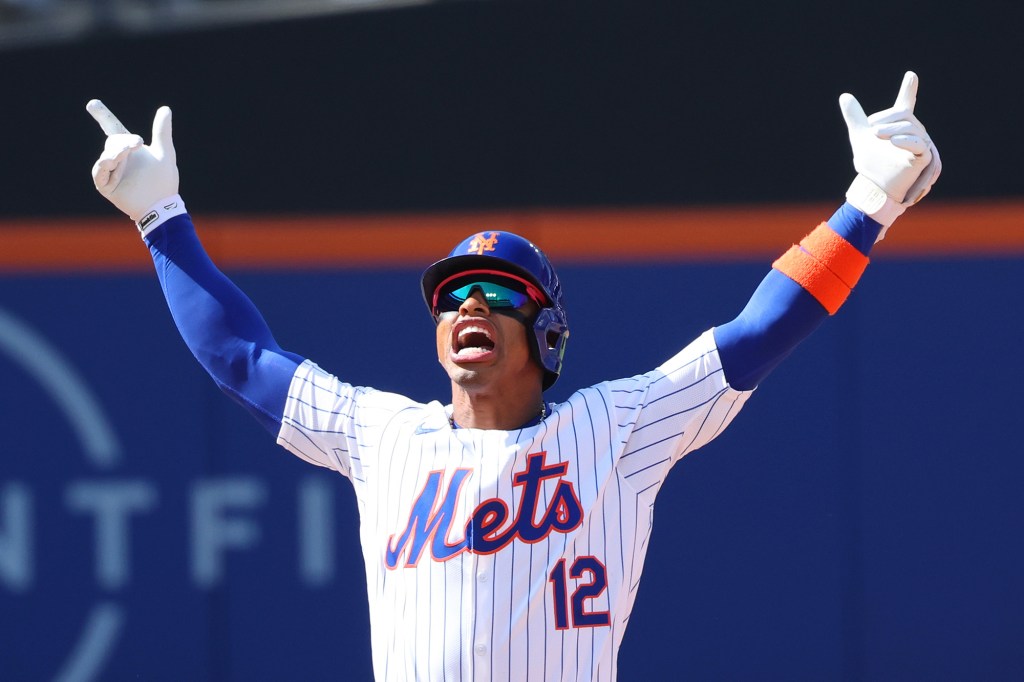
x=472, y=340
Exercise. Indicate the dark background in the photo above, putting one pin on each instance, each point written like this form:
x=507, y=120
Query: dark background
x=861, y=520
x=521, y=103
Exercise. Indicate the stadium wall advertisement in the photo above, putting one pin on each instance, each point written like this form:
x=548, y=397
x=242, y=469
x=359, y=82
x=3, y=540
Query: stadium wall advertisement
x=860, y=519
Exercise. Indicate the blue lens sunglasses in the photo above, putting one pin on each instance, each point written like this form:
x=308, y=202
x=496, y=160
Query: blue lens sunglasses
x=500, y=290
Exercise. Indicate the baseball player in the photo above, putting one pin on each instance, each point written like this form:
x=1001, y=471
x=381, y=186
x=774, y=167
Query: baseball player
x=504, y=536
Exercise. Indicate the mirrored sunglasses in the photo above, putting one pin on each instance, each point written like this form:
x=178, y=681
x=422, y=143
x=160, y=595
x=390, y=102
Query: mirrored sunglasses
x=500, y=291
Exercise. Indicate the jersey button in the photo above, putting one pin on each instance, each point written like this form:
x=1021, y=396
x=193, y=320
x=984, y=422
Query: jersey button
x=481, y=649
x=482, y=577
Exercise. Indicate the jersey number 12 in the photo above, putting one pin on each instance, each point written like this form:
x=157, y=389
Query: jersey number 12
x=585, y=590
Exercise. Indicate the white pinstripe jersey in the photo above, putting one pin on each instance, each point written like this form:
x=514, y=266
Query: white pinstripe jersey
x=507, y=555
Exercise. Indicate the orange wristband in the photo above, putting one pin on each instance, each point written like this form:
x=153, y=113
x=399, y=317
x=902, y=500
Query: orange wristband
x=835, y=253
x=824, y=264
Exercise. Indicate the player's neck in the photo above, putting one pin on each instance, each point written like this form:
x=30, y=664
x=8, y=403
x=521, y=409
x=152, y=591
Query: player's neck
x=479, y=410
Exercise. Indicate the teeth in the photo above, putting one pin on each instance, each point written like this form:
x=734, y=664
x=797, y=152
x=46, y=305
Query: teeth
x=474, y=330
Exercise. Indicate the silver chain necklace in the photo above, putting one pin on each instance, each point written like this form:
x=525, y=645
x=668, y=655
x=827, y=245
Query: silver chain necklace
x=541, y=416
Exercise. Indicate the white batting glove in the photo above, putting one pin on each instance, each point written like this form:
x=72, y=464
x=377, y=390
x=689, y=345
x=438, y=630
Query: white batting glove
x=896, y=162
x=140, y=180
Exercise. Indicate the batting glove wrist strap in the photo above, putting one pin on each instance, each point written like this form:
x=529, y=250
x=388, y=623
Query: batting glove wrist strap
x=868, y=197
x=159, y=213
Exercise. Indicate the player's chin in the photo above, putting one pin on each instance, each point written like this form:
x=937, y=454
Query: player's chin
x=469, y=376
x=469, y=371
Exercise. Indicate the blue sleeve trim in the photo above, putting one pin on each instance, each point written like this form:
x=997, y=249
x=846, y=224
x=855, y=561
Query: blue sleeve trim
x=220, y=325
x=781, y=313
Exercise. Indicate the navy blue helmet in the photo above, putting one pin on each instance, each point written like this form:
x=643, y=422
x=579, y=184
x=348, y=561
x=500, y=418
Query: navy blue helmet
x=505, y=252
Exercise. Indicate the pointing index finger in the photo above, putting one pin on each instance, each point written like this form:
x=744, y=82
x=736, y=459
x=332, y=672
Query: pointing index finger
x=111, y=126
x=907, y=97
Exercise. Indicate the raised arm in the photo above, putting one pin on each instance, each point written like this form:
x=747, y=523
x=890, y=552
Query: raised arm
x=896, y=164
x=220, y=325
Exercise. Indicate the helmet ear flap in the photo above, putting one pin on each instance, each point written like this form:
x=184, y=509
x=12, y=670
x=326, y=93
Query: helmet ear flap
x=551, y=333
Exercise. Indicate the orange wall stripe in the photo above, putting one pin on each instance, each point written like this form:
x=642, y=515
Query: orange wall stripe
x=612, y=235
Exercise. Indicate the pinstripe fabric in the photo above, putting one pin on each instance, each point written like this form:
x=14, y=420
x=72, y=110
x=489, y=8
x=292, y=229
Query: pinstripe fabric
x=508, y=555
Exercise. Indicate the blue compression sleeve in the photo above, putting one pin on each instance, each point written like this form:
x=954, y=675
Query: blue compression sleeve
x=781, y=313
x=220, y=325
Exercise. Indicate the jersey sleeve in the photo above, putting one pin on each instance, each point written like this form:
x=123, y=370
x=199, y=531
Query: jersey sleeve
x=333, y=424
x=688, y=401
x=651, y=420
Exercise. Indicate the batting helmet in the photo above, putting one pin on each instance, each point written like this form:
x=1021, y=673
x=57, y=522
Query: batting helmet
x=508, y=252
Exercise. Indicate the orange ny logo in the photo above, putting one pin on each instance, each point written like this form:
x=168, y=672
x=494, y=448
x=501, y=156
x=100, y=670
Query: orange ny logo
x=481, y=243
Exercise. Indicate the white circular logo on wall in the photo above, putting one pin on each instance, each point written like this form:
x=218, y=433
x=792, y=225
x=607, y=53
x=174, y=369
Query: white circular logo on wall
x=59, y=379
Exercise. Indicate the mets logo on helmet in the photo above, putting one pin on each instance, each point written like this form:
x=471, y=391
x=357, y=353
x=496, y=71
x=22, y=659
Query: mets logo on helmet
x=483, y=243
